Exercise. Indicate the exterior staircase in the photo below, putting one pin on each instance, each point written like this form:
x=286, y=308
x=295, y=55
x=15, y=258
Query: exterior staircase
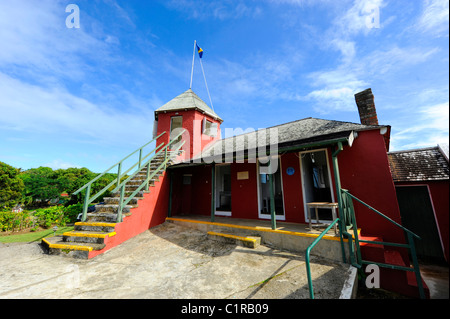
x=399, y=272
x=97, y=233
x=392, y=273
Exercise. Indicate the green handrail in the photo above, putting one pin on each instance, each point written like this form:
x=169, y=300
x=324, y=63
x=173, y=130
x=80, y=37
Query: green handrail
x=158, y=149
x=379, y=213
x=119, y=164
x=347, y=198
x=308, y=252
x=123, y=203
x=87, y=186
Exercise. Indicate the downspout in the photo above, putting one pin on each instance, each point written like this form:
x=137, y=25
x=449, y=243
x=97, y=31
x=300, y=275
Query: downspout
x=337, y=181
x=272, y=201
x=213, y=192
x=169, y=212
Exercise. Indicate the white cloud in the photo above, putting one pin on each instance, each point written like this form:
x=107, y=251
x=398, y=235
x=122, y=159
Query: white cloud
x=434, y=18
x=362, y=17
x=59, y=164
x=221, y=10
x=432, y=128
x=36, y=41
x=35, y=109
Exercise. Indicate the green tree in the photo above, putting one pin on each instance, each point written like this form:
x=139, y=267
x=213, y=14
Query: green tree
x=11, y=186
x=42, y=184
x=75, y=178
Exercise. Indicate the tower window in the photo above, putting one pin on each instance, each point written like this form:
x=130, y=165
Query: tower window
x=176, y=123
x=209, y=128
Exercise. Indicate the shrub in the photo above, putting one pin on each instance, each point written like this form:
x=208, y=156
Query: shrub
x=10, y=221
x=47, y=217
x=71, y=212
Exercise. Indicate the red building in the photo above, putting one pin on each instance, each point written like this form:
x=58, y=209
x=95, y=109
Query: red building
x=301, y=153
x=421, y=178
x=272, y=174
x=308, y=161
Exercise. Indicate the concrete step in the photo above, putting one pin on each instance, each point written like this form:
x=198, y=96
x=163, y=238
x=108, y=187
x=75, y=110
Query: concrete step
x=139, y=194
x=105, y=217
x=93, y=226
x=113, y=208
x=139, y=181
x=245, y=241
x=87, y=236
x=115, y=200
x=57, y=246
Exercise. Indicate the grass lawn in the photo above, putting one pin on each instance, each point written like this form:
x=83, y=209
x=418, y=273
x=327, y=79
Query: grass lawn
x=33, y=236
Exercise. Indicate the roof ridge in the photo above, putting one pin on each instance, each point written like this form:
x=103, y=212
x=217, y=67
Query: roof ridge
x=191, y=101
x=415, y=150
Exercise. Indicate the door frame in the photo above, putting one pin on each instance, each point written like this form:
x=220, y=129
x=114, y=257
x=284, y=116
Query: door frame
x=220, y=212
x=436, y=220
x=330, y=181
x=268, y=216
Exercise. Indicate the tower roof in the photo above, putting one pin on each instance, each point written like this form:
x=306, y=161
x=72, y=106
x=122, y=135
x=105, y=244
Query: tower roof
x=187, y=101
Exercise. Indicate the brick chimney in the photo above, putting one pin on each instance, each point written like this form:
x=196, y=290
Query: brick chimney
x=366, y=107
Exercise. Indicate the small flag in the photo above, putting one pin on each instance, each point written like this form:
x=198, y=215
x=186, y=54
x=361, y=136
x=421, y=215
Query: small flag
x=200, y=51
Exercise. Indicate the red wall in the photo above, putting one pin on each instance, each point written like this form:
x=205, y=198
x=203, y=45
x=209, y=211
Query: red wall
x=244, y=194
x=152, y=211
x=292, y=189
x=192, y=122
x=365, y=172
x=439, y=191
x=194, y=198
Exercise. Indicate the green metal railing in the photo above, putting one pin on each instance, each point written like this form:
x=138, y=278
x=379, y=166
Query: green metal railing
x=308, y=252
x=119, y=182
x=349, y=221
x=145, y=183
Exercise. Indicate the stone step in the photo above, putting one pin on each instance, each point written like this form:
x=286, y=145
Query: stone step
x=139, y=181
x=115, y=200
x=132, y=188
x=93, y=226
x=105, y=217
x=57, y=246
x=87, y=236
x=139, y=194
x=245, y=241
x=112, y=208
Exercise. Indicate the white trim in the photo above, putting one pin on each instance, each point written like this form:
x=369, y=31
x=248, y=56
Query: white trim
x=220, y=212
x=171, y=118
x=267, y=216
x=305, y=207
x=438, y=228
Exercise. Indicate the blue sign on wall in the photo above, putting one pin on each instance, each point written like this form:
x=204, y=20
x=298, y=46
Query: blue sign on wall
x=290, y=171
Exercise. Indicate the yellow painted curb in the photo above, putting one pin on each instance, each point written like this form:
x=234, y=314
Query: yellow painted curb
x=71, y=247
x=90, y=235
x=232, y=236
x=264, y=229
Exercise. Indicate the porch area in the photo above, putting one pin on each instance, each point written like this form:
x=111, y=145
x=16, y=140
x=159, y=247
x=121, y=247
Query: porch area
x=289, y=236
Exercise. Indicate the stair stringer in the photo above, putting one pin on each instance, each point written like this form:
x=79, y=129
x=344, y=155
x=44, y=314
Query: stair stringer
x=150, y=212
x=395, y=280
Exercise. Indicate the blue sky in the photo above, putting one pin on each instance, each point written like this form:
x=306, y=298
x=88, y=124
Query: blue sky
x=85, y=97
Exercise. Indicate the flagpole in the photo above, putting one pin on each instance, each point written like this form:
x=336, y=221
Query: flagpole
x=193, y=58
x=206, y=85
